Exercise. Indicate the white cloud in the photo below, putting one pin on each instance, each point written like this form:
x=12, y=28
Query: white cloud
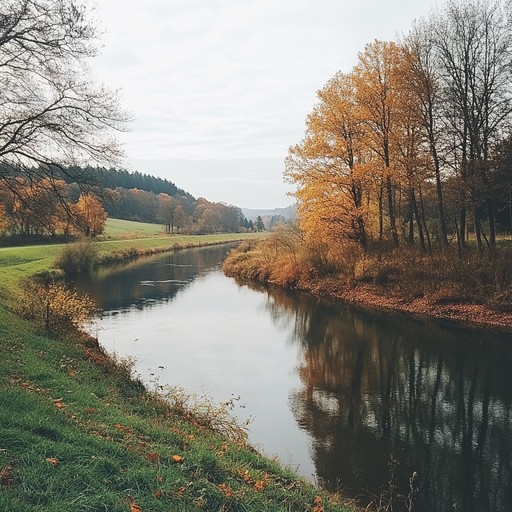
x=228, y=83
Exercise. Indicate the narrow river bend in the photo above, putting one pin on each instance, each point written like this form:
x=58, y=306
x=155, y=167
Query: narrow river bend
x=348, y=398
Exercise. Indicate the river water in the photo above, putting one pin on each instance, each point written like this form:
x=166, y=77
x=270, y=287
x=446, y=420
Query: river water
x=355, y=400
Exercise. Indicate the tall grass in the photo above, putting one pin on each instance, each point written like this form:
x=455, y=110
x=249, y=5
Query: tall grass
x=286, y=259
x=77, y=257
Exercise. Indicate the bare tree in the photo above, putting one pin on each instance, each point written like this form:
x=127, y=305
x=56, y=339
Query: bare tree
x=424, y=82
x=474, y=46
x=52, y=114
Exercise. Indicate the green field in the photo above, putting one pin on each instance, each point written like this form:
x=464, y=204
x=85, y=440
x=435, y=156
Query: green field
x=120, y=235
x=118, y=228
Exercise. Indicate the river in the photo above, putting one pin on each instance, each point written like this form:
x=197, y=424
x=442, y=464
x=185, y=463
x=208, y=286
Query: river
x=355, y=400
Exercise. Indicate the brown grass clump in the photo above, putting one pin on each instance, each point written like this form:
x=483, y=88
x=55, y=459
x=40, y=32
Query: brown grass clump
x=55, y=307
x=428, y=284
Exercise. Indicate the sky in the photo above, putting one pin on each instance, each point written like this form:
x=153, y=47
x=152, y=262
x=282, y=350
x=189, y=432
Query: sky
x=220, y=89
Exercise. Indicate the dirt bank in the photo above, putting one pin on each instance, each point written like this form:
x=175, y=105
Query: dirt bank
x=366, y=295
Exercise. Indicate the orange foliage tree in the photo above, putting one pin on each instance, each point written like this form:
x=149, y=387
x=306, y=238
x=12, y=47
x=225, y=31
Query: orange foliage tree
x=90, y=217
x=327, y=166
x=32, y=207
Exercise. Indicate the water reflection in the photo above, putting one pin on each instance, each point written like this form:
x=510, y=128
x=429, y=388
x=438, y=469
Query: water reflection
x=149, y=280
x=381, y=387
x=340, y=390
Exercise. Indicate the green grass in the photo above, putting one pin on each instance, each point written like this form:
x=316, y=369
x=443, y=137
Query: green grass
x=118, y=228
x=77, y=433
x=17, y=263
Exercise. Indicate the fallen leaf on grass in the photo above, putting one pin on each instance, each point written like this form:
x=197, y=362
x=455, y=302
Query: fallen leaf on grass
x=177, y=458
x=6, y=476
x=260, y=485
x=319, y=507
x=59, y=403
x=153, y=457
x=244, y=475
x=52, y=460
x=120, y=427
x=226, y=490
x=133, y=506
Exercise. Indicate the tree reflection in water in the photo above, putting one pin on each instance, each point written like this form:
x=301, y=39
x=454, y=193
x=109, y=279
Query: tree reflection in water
x=381, y=386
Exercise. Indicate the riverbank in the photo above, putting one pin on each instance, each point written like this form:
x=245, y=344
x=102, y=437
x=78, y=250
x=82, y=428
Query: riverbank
x=364, y=295
x=79, y=433
x=376, y=288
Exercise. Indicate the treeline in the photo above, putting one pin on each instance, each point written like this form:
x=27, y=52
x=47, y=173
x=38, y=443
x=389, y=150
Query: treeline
x=112, y=178
x=179, y=213
x=145, y=198
x=68, y=202
x=413, y=145
x=36, y=209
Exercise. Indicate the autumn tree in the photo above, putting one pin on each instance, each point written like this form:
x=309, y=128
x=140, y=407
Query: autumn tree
x=166, y=209
x=328, y=166
x=90, y=216
x=377, y=78
x=32, y=207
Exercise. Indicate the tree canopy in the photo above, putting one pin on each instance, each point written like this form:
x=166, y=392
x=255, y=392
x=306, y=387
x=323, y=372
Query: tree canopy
x=410, y=145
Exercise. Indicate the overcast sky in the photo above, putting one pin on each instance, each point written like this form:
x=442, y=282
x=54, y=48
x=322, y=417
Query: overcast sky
x=219, y=89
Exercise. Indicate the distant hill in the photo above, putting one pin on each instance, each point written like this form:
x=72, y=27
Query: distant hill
x=288, y=213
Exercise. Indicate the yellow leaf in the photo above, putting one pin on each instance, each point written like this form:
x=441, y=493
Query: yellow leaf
x=177, y=458
x=52, y=460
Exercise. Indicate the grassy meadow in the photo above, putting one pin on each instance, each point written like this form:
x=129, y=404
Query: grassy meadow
x=17, y=263
x=77, y=433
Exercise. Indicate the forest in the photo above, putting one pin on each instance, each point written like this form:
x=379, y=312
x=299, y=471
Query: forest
x=76, y=202
x=404, y=174
x=413, y=145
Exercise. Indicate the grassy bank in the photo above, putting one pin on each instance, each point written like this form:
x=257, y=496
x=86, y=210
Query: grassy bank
x=122, y=240
x=474, y=291
x=79, y=434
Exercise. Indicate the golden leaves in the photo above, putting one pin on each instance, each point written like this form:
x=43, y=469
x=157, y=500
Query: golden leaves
x=226, y=489
x=91, y=216
x=259, y=484
x=55, y=307
x=53, y=461
x=121, y=428
x=178, y=459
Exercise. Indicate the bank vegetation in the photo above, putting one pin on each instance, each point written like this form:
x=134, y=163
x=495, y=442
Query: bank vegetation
x=404, y=178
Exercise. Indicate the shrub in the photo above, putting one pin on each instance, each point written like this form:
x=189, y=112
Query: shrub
x=77, y=257
x=205, y=412
x=55, y=308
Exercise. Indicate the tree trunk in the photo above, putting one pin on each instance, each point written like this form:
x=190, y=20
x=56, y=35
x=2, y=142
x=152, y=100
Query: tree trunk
x=462, y=231
x=418, y=221
x=391, y=208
